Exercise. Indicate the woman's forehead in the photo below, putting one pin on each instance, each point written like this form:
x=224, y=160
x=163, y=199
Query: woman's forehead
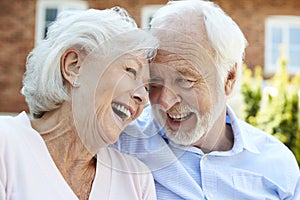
x=133, y=59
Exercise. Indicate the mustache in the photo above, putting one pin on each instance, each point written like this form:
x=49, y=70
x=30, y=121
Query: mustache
x=174, y=109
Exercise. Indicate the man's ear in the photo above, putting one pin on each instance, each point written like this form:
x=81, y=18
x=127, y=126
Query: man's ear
x=70, y=65
x=230, y=80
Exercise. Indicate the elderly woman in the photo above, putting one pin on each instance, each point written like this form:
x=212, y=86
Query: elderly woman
x=84, y=83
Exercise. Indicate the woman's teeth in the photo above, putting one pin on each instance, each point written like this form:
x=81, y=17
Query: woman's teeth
x=121, y=111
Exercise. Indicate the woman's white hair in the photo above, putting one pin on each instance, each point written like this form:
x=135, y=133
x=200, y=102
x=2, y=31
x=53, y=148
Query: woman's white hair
x=224, y=35
x=43, y=84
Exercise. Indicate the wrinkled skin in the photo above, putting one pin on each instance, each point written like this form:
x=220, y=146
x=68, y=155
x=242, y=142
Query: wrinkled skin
x=186, y=92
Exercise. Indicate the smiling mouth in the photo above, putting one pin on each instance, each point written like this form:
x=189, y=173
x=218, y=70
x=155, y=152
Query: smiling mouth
x=179, y=117
x=121, y=111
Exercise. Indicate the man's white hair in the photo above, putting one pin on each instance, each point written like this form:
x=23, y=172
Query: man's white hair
x=43, y=84
x=225, y=37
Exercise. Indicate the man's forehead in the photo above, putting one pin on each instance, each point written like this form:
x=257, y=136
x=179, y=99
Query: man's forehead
x=192, y=65
x=185, y=38
x=164, y=56
x=194, y=60
x=175, y=63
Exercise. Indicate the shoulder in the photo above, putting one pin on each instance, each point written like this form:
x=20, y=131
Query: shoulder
x=16, y=134
x=13, y=126
x=264, y=142
x=121, y=161
x=261, y=139
x=128, y=170
x=271, y=158
x=273, y=153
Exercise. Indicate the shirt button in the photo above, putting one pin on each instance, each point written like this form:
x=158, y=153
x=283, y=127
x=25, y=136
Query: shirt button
x=204, y=158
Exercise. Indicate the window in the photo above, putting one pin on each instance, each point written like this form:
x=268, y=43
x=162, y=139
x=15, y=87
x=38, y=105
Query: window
x=147, y=13
x=282, y=31
x=47, y=11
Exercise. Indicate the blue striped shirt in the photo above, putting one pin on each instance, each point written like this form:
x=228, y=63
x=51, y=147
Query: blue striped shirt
x=257, y=167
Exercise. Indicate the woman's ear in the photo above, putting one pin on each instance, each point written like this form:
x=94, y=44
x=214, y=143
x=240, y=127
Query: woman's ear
x=230, y=80
x=70, y=65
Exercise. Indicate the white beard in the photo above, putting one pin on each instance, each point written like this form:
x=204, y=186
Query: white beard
x=183, y=137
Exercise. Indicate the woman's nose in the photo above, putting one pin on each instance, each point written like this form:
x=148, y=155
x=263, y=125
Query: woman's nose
x=140, y=95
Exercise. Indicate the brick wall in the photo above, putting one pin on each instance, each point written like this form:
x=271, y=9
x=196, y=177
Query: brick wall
x=17, y=29
x=250, y=16
x=16, y=40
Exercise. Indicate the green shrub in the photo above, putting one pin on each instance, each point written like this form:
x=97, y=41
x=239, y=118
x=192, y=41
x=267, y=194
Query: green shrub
x=274, y=108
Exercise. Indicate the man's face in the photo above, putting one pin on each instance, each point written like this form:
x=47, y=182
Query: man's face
x=184, y=95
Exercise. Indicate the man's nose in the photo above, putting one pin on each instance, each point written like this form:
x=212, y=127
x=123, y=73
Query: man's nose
x=168, y=98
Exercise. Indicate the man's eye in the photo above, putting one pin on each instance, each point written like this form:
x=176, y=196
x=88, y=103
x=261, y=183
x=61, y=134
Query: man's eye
x=131, y=70
x=155, y=85
x=185, y=83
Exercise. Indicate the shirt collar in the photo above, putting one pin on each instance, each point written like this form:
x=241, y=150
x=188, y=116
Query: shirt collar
x=187, y=148
x=242, y=138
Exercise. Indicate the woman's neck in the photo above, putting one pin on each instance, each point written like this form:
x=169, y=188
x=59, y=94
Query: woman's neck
x=75, y=163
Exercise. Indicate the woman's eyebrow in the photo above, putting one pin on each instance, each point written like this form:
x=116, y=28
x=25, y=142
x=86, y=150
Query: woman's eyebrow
x=136, y=62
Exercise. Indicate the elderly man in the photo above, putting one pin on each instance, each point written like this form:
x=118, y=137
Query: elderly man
x=195, y=145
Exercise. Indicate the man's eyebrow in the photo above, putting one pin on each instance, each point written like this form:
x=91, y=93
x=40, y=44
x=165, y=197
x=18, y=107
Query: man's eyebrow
x=189, y=72
x=156, y=80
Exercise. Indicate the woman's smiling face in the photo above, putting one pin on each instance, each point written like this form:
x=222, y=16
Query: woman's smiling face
x=112, y=94
x=121, y=94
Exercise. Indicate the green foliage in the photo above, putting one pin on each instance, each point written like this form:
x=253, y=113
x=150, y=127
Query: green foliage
x=251, y=91
x=276, y=109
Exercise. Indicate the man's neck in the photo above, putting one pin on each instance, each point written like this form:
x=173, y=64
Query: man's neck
x=219, y=138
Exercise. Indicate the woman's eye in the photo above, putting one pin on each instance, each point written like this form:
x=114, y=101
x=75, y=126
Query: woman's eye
x=147, y=88
x=131, y=70
x=185, y=83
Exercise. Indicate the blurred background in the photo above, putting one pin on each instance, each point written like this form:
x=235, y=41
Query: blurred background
x=23, y=23
x=268, y=96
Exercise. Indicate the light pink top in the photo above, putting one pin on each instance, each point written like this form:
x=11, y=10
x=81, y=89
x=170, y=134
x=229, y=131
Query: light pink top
x=27, y=171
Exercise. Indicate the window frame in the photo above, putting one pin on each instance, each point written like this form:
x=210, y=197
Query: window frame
x=284, y=23
x=41, y=7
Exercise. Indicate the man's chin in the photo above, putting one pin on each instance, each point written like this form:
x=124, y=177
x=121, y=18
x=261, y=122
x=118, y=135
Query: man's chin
x=181, y=137
x=184, y=135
